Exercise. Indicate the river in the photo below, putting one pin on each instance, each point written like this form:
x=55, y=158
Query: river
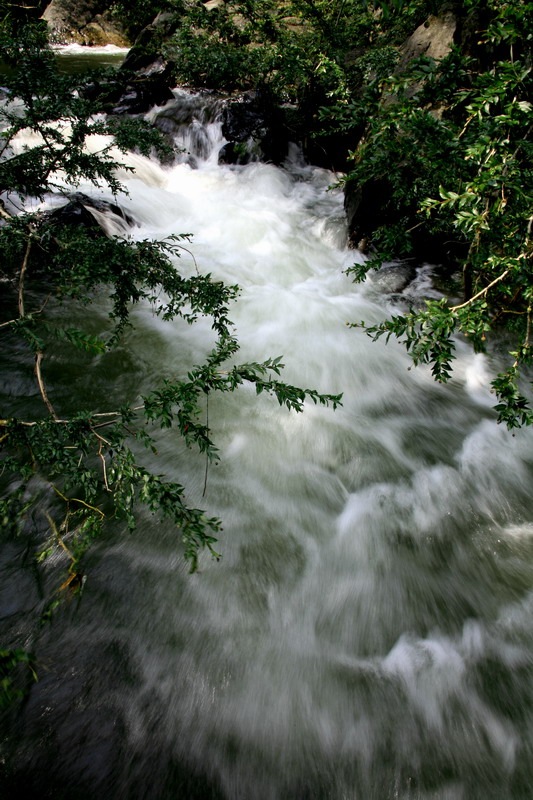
x=368, y=632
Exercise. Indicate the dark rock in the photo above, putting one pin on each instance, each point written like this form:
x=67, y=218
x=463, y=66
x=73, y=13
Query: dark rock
x=148, y=87
x=244, y=118
x=254, y=118
x=258, y=127
x=90, y=212
x=367, y=207
x=147, y=46
x=237, y=153
x=394, y=278
x=146, y=76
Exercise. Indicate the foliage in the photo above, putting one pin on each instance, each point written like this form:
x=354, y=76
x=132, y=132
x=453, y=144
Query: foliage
x=451, y=140
x=304, y=51
x=135, y=15
x=448, y=143
x=297, y=49
x=15, y=665
x=81, y=473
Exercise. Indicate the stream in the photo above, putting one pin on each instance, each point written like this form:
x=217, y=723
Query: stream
x=368, y=631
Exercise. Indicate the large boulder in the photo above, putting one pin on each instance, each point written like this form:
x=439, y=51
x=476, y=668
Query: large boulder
x=434, y=38
x=86, y=22
x=146, y=75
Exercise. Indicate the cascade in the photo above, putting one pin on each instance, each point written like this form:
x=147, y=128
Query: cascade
x=368, y=631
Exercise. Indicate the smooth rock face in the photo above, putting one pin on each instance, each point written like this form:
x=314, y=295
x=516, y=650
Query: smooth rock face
x=433, y=39
x=83, y=22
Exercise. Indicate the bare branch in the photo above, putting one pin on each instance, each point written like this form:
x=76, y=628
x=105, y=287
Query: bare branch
x=22, y=277
x=42, y=388
x=186, y=249
x=101, y=456
x=482, y=292
x=115, y=414
x=56, y=533
x=6, y=324
x=77, y=500
x=3, y=213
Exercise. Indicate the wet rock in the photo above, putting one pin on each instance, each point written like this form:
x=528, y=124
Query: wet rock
x=394, y=278
x=147, y=87
x=90, y=212
x=146, y=48
x=366, y=208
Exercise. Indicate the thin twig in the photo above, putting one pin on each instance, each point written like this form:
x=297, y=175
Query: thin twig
x=115, y=414
x=181, y=247
x=34, y=313
x=206, y=452
x=77, y=500
x=468, y=121
x=42, y=388
x=482, y=292
x=9, y=322
x=101, y=438
x=101, y=456
x=22, y=276
x=53, y=526
x=415, y=227
x=526, y=337
x=341, y=7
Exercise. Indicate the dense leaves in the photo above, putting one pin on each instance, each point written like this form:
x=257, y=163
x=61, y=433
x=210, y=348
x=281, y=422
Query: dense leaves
x=451, y=139
x=68, y=477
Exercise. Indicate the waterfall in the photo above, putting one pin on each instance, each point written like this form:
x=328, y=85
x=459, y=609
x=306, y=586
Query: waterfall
x=368, y=632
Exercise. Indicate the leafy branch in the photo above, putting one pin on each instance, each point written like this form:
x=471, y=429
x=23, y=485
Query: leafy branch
x=86, y=473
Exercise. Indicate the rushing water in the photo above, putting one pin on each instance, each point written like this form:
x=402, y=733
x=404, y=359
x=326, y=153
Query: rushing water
x=368, y=632
x=76, y=58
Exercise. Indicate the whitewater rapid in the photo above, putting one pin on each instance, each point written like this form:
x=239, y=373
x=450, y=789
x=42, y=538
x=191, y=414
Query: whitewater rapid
x=368, y=631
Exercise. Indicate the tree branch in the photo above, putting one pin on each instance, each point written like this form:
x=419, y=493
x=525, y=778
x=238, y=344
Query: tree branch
x=3, y=213
x=482, y=292
x=42, y=388
x=69, y=500
x=22, y=276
